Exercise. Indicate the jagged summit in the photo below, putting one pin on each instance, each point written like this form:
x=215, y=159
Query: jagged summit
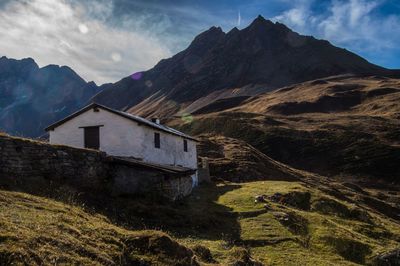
x=33, y=97
x=261, y=57
x=264, y=56
x=260, y=20
x=215, y=28
x=234, y=29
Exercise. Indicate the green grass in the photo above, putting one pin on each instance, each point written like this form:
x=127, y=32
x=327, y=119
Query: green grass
x=329, y=239
x=39, y=231
x=223, y=218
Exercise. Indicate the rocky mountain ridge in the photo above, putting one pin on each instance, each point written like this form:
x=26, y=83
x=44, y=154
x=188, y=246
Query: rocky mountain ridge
x=217, y=65
x=216, y=68
x=31, y=97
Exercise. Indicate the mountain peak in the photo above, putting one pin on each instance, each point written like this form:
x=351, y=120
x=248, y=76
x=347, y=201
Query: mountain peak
x=264, y=53
x=215, y=29
x=211, y=32
x=261, y=20
x=233, y=30
x=260, y=24
x=208, y=38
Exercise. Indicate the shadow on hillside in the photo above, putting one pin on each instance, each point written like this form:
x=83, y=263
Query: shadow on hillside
x=198, y=215
x=354, y=145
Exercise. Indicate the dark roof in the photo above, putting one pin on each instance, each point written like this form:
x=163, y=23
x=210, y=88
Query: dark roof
x=169, y=169
x=131, y=117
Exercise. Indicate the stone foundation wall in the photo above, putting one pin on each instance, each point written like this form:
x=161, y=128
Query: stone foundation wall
x=176, y=188
x=38, y=167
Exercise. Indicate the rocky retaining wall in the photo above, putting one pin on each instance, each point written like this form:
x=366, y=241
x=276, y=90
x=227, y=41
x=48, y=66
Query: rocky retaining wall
x=38, y=167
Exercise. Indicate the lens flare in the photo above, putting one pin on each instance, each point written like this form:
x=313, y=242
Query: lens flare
x=137, y=75
x=187, y=118
x=116, y=57
x=83, y=28
x=149, y=83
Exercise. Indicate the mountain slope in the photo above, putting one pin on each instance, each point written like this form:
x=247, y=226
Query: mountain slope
x=31, y=97
x=340, y=126
x=259, y=58
x=235, y=160
x=372, y=96
x=217, y=66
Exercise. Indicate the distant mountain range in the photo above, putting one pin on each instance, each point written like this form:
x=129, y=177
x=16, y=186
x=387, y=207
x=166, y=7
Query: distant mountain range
x=216, y=66
x=31, y=97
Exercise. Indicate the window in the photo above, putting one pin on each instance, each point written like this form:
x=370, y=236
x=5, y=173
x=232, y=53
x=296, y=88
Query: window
x=157, y=140
x=185, y=145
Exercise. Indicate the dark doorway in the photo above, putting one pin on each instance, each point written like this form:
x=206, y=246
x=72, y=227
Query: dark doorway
x=92, y=137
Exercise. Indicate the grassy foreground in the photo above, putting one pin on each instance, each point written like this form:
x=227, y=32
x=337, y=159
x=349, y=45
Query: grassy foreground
x=38, y=231
x=218, y=224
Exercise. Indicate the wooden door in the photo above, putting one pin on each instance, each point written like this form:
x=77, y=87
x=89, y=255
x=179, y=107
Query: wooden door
x=92, y=137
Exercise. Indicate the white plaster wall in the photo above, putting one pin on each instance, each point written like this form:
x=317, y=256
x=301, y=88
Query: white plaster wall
x=122, y=137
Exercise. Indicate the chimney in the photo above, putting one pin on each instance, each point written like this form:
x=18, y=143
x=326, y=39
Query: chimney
x=155, y=120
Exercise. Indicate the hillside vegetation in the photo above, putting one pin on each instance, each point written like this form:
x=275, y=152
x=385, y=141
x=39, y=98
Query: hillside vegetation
x=271, y=202
x=222, y=224
x=337, y=126
x=39, y=231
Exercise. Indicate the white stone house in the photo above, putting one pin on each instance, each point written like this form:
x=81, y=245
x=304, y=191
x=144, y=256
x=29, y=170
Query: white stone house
x=125, y=135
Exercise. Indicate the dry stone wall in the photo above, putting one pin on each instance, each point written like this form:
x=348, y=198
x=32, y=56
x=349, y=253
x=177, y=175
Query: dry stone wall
x=38, y=167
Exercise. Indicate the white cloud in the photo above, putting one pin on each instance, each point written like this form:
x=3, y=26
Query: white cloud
x=349, y=23
x=59, y=32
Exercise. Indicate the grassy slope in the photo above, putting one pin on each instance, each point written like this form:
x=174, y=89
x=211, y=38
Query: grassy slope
x=324, y=239
x=224, y=218
x=38, y=231
x=335, y=126
x=338, y=228
x=329, y=144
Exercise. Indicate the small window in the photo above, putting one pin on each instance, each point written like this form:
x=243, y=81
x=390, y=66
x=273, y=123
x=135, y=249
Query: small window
x=157, y=140
x=185, y=145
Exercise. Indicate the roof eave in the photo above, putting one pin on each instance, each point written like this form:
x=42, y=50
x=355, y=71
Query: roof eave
x=65, y=119
x=92, y=105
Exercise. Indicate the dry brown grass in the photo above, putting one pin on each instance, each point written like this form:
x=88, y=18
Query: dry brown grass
x=235, y=160
x=39, y=231
x=378, y=96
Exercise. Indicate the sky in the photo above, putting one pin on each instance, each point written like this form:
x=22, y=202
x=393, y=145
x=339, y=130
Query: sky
x=106, y=40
